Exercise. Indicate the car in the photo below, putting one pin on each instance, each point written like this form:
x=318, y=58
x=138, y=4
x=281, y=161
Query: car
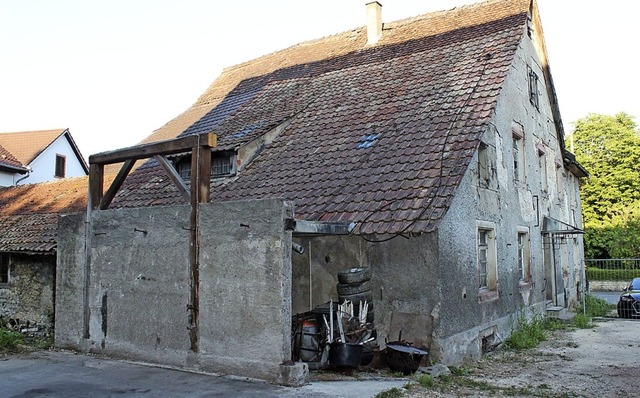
x=629, y=303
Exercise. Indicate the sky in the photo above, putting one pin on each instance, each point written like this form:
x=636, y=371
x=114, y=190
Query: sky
x=114, y=71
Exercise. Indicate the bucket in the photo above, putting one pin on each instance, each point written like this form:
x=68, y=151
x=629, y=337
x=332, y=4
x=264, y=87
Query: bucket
x=310, y=348
x=345, y=355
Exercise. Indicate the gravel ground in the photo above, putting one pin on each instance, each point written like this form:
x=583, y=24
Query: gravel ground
x=600, y=362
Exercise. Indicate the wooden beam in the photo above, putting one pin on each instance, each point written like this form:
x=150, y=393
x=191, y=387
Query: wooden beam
x=174, y=176
x=144, y=151
x=96, y=185
x=116, y=184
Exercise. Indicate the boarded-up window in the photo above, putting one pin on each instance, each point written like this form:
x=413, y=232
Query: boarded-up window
x=4, y=269
x=61, y=164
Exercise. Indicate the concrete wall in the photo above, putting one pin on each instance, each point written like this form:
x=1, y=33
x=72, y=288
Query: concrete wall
x=139, y=286
x=70, y=268
x=28, y=299
x=245, y=290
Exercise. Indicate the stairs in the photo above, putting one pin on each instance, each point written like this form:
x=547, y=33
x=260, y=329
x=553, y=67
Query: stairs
x=560, y=313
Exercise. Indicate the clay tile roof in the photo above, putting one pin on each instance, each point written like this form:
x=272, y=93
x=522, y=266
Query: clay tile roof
x=379, y=135
x=29, y=213
x=27, y=145
x=8, y=160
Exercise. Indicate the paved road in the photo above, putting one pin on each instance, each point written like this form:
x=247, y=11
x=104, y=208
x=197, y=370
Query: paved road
x=611, y=297
x=71, y=375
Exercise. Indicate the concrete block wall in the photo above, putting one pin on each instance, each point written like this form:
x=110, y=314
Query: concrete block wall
x=139, y=286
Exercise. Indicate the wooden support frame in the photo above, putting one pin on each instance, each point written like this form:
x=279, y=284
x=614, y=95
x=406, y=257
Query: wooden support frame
x=200, y=148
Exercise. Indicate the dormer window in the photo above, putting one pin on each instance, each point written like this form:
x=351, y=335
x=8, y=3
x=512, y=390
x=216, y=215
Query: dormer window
x=222, y=165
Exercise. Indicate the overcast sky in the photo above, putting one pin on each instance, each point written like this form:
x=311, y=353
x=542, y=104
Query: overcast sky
x=113, y=71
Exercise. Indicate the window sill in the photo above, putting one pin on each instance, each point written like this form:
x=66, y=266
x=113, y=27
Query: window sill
x=485, y=295
x=525, y=286
x=5, y=286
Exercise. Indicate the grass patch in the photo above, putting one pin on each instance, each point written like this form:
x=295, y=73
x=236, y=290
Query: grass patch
x=527, y=334
x=9, y=339
x=426, y=381
x=595, y=306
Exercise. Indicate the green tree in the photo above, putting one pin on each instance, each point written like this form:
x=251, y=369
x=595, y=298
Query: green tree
x=609, y=148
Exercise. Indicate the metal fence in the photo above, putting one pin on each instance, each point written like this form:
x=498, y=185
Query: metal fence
x=611, y=274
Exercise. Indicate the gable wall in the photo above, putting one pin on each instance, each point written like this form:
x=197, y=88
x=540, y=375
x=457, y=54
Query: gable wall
x=44, y=166
x=510, y=205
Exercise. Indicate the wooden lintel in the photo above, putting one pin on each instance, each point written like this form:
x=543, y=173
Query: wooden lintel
x=143, y=151
x=116, y=184
x=174, y=176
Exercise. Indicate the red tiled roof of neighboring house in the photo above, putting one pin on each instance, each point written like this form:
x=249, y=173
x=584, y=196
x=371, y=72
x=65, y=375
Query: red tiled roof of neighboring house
x=27, y=145
x=379, y=135
x=29, y=213
x=8, y=160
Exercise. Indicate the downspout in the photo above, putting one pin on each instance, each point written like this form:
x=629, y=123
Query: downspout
x=29, y=170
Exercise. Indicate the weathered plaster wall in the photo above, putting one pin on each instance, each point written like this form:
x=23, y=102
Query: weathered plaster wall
x=245, y=289
x=70, y=281
x=139, y=286
x=511, y=204
x=407, y=295
x=29, y=297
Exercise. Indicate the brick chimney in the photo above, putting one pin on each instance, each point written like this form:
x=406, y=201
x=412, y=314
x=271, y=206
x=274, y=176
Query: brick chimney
x=374, y=22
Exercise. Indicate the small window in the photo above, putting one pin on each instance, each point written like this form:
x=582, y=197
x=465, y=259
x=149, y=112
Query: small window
x=534, y=93
x=483, y=164
x=184, y=169
x=487, y=261
x=4, y=269
x=544, y=176
x=61, y=162
x=518, y=158
x=221, y=165
x=524, y=271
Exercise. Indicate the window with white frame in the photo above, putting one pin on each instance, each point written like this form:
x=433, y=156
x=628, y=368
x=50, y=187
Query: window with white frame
x=524, y=256
x=487, y=258
x=4, y=269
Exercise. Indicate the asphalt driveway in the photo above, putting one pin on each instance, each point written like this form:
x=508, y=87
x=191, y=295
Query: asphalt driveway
x=72, y=375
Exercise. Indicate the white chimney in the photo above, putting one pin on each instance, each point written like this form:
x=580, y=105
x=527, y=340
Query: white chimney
x=374, y=22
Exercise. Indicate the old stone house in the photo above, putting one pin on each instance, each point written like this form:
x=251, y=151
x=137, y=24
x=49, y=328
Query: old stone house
x=433, y=144
x=29, y=157
x=28, y=241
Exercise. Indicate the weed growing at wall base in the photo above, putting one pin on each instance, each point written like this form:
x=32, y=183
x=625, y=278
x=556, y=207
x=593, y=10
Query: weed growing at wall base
x=527, y=334
x=9, y=339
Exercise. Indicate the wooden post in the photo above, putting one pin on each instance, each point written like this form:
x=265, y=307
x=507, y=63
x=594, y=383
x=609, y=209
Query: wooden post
x=200, y=186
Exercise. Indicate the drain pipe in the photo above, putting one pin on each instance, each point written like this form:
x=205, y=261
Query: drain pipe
x=29, y=170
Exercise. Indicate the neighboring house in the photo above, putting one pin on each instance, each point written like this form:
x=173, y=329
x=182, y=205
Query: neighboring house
x=40, y=155
x=28, y=229
x=438, y=137
x=10, y=168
